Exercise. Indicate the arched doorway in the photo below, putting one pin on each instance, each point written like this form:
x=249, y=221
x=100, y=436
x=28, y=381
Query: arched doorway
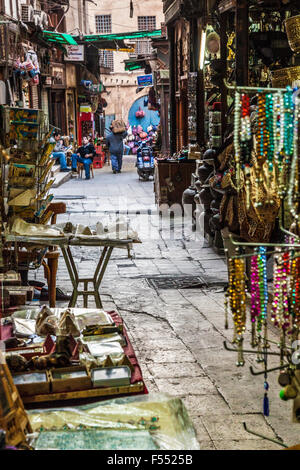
x=150, y=118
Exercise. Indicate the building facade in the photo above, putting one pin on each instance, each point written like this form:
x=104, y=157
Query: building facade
x=116, y=17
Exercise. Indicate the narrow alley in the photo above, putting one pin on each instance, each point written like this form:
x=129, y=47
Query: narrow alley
x=178, y=333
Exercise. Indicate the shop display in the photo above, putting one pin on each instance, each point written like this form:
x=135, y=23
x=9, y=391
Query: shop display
x=73, y=366
x=271, y=151
x=163, y=417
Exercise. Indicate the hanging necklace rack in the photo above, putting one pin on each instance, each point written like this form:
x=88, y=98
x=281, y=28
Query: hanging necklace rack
x=273, y=245
x=250, y=255
x=265, y=174
x=263, y=437
x=284, y=366
x=247, y=351
x=241, y=89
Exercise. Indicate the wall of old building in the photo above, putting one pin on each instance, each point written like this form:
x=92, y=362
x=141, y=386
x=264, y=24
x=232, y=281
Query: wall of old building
x=121, y=85
x=77, y=17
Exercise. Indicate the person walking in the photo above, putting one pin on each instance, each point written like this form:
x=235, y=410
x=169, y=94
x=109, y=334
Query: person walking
x=58, y=151
x=115, y=144
x=84, y=154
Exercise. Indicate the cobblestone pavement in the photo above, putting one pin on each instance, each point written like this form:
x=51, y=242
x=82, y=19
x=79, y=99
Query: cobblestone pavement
x=178, y=334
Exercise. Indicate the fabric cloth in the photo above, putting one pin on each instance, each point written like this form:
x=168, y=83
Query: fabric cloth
x=116, y=162
x=115, y=143
x=86, y=164
x=85, y=150
x=62, y=159
x=136, y=375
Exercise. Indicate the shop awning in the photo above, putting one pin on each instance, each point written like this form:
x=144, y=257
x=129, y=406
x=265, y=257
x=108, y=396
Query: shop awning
x=121, y=36
x=58, y=38
x=115, y=45
x=134, y=64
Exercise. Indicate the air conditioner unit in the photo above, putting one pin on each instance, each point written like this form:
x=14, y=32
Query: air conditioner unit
x=27, y=13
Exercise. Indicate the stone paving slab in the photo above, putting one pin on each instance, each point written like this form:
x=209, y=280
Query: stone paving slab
x=178, y=334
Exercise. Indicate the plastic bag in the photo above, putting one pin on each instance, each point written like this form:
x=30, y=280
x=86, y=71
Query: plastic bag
x=164, y=416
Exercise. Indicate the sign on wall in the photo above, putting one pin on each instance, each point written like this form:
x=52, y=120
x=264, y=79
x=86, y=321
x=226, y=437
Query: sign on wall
x=74, y=53
x=145, y=80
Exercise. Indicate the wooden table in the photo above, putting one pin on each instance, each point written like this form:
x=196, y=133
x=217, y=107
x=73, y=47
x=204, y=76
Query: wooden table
x=65, y=243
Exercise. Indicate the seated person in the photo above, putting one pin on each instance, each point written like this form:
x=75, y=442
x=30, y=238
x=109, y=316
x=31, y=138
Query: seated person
x=84, y=154
x=58, y=151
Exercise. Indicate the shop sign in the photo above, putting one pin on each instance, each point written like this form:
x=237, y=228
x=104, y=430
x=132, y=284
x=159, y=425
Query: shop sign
x=75, y=53
x=145, y=80
x=58, y=75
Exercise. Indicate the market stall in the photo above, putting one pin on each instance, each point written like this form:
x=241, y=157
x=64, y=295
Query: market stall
x=258, y=174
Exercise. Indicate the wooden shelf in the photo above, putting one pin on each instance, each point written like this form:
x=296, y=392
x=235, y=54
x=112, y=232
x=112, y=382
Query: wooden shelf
x=90, y=393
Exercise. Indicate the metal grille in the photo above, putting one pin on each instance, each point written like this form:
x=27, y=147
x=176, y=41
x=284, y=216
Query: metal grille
x=146, y=23
x=106, y=59
x=143, y=46
x=103, y=24
x=179, y=282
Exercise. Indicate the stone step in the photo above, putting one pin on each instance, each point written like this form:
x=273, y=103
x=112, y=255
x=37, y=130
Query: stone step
x=55, y=169
x=60, y=178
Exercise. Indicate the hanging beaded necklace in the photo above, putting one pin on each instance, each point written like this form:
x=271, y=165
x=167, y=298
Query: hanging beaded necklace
x=237, y=301
x=245, y=132
x=295, y=294
x=293, y=185
x=259, y=297
x=262, y=135
x=270, y=130
x=280, y=306
x=288, y=107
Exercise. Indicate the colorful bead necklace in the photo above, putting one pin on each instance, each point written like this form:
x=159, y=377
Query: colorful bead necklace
x=259, y=297
x=262, y=135
x=245, y=132
x=270, y=130
x=288, y=106
x=295, y=294
x=280, y=306
x=237, y=301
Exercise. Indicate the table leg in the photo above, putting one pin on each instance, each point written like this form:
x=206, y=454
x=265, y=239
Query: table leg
x=99, y=273
x=53, y=265
x=72, y=273
x=85, y=296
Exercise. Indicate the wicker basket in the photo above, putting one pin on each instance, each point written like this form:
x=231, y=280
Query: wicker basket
x=284, y=77
x=292, y=26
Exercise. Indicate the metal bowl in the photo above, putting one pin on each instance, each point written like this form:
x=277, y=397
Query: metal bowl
x=284, y=77
x=292, y=26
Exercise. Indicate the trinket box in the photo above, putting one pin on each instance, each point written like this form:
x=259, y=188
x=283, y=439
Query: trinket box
x=32, y=383
x=111, y=376
x=70, y=378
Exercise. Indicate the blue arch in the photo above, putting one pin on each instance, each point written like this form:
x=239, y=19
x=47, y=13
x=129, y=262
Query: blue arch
x=151, y=117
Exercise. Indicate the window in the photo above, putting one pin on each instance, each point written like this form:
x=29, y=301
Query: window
x=107, y=59
x=103, y=26
x=146, y=23
x=143, y=46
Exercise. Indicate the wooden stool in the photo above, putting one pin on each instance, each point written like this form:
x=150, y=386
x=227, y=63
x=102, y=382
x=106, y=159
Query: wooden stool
x=80, y=169
x=52, y=255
